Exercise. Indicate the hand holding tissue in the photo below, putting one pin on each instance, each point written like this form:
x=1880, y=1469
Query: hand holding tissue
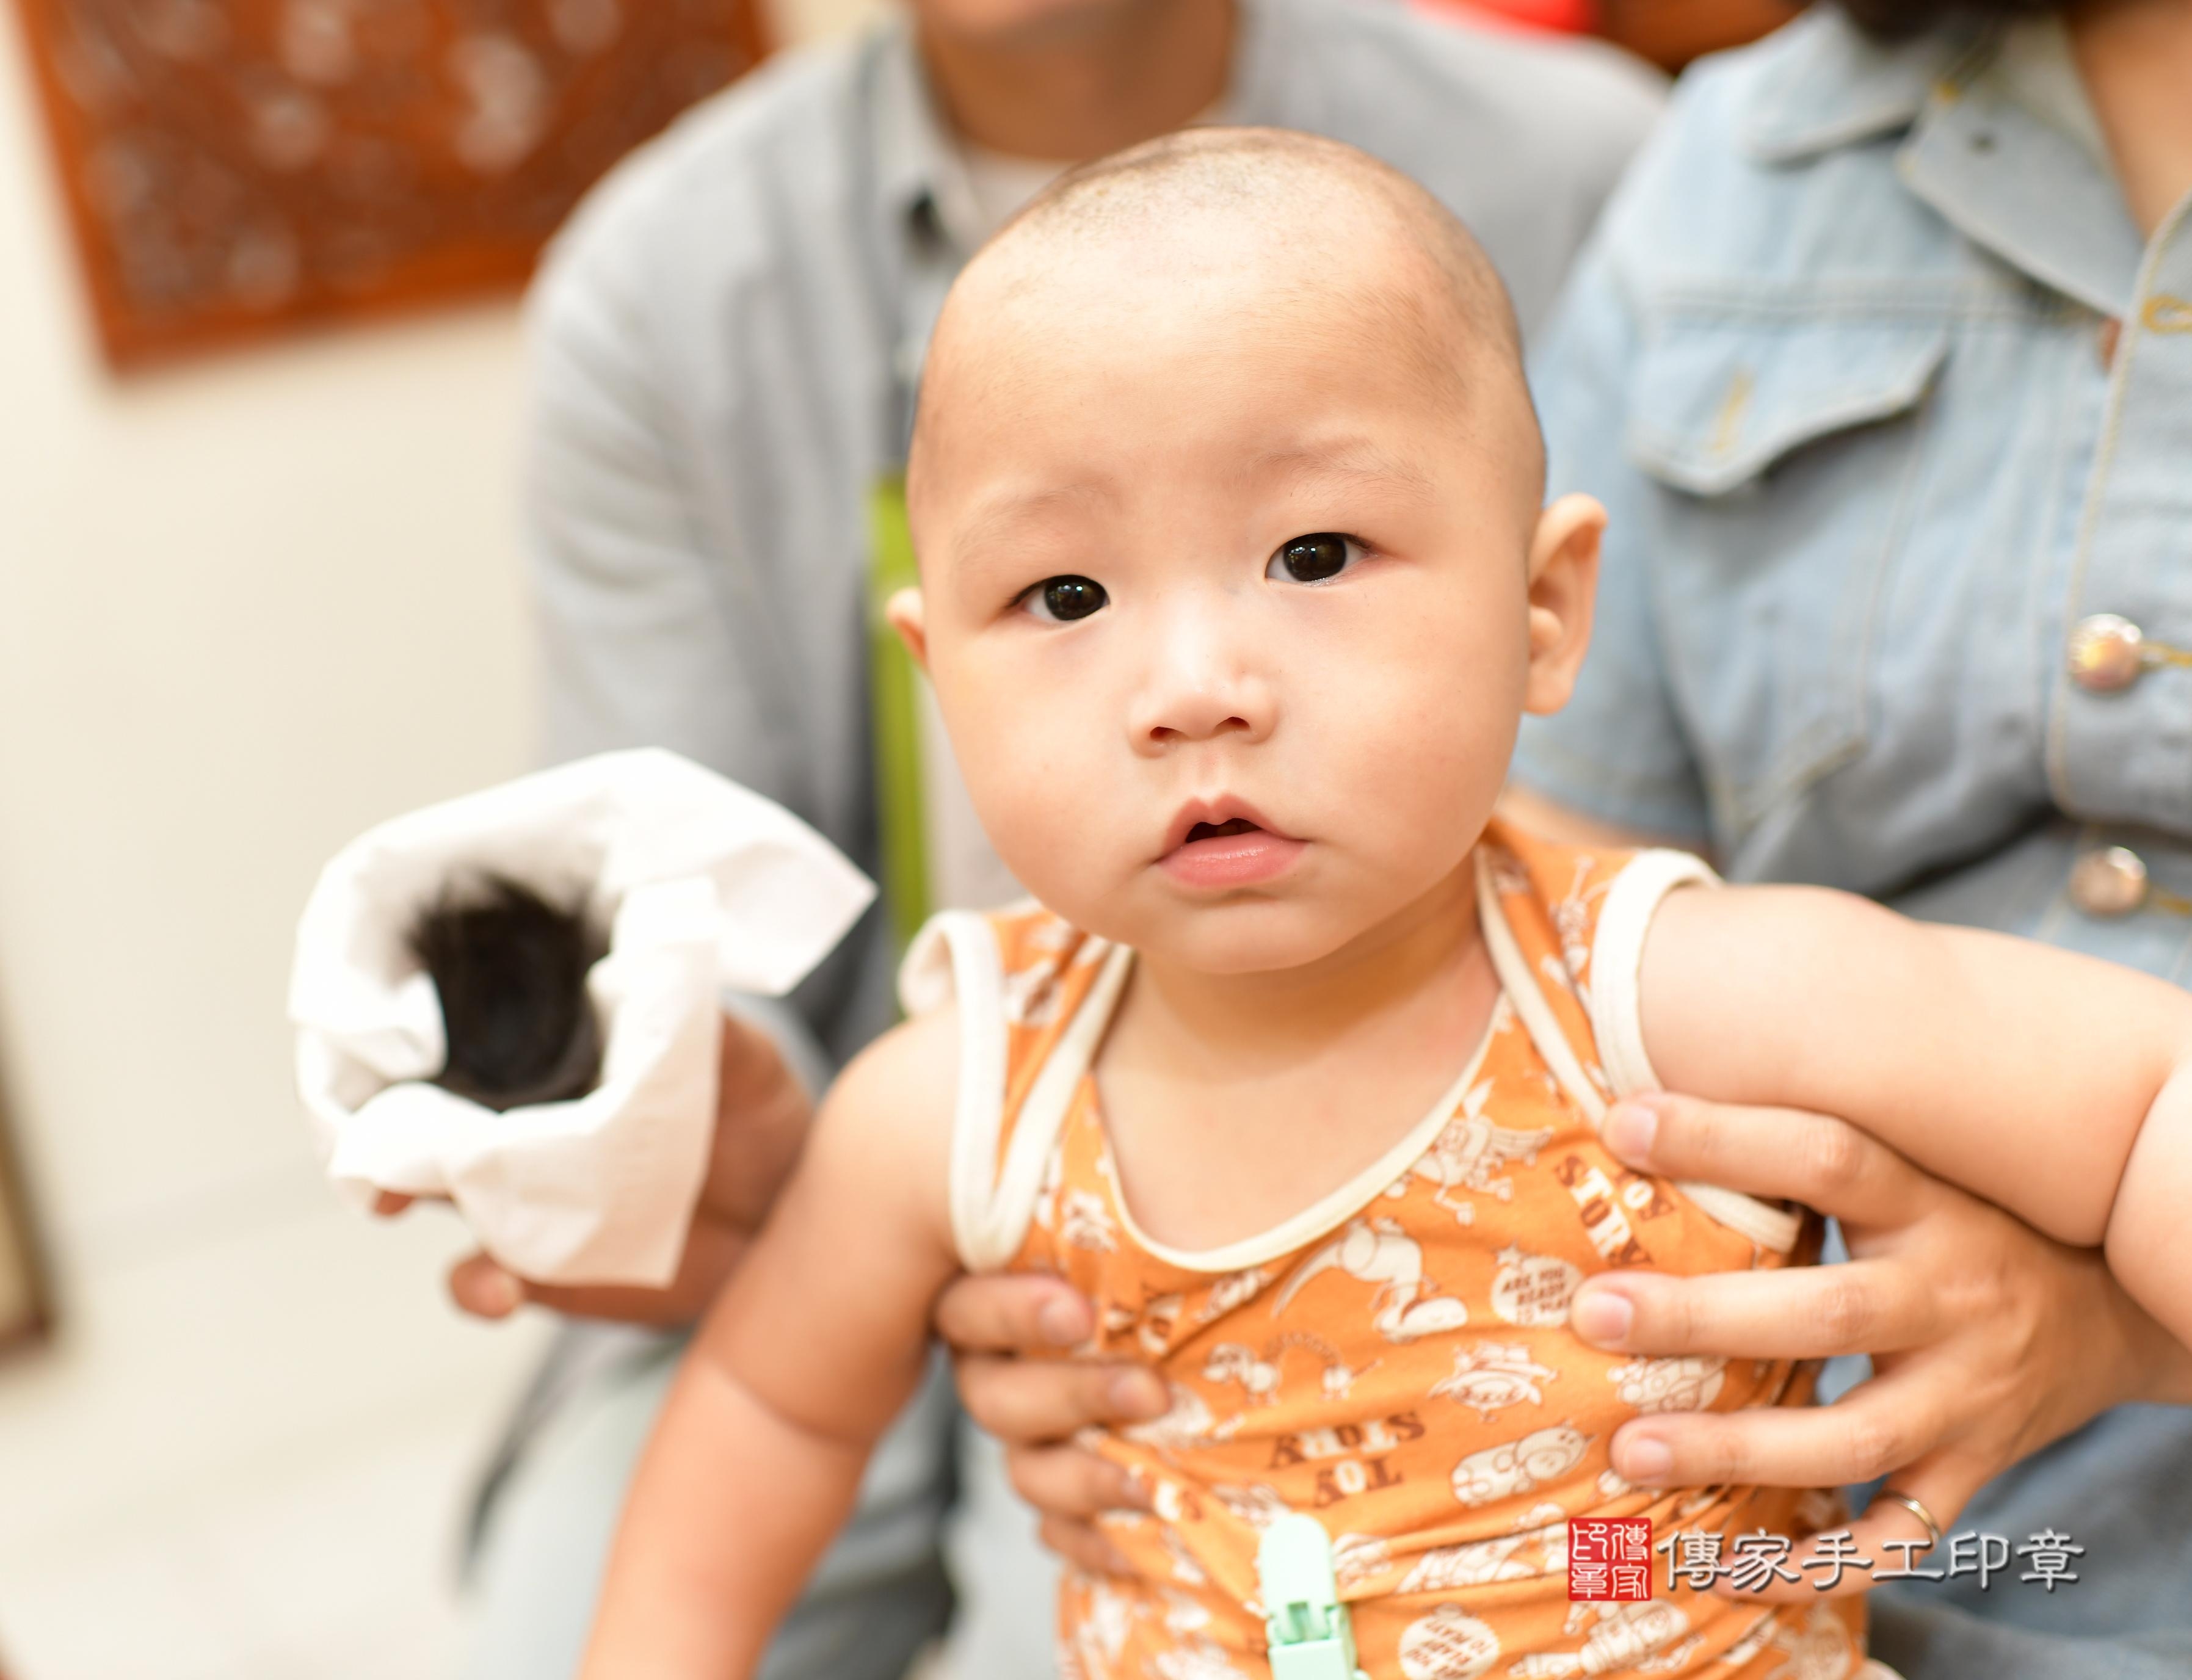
x=566, y=1175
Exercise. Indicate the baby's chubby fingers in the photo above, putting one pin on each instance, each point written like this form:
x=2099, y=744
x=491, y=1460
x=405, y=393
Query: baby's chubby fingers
x=1816, y=1159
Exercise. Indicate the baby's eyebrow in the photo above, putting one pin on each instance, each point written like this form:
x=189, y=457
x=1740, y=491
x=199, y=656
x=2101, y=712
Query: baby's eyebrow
x=1356, y=459
x=1001, y=523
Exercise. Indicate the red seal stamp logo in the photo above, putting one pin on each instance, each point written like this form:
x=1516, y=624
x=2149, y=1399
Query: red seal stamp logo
x=1609, y=1560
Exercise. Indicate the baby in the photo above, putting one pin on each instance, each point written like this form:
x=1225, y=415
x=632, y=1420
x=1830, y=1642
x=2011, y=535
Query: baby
x=1234, y=584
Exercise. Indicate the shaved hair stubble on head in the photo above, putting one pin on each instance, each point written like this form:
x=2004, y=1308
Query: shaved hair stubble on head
x=1335, y=241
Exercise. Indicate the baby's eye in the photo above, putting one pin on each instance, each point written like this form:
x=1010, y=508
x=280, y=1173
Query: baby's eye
x=1062, y=600
x=1314, y=559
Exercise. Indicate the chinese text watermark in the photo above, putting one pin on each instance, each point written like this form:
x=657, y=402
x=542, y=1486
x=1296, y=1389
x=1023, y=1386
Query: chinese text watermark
x=1608, y=1559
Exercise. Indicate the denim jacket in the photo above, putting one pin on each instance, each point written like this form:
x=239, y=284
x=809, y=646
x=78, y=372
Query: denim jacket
x=1887, y=397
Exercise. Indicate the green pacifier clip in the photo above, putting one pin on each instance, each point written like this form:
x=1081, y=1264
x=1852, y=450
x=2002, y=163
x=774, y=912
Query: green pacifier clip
x=1310, y=1636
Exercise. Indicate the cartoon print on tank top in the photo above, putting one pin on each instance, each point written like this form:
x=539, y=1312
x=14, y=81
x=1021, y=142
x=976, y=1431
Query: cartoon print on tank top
x=1468, y=1150
x=1403, y=1367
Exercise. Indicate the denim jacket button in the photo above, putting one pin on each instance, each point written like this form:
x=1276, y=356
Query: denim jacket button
x=2109, y=882
x=2166, y=313
x=2106, y=653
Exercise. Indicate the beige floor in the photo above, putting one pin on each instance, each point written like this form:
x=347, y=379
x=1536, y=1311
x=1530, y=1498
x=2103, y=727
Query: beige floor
x=245, y=1458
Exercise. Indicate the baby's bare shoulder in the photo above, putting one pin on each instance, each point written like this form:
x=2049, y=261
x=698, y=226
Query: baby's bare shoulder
x=914, y=1067
x=888, y=1119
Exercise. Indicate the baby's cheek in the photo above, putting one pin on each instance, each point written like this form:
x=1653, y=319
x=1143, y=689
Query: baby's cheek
x=1050, y=809
x=1018, y=736
x=1418, y=707
x=1426, y=758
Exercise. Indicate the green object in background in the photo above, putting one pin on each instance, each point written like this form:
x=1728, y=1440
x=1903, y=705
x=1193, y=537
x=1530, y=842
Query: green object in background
x=894, y=688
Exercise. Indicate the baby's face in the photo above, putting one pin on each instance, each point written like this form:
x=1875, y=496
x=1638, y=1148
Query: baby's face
x=1227, y=603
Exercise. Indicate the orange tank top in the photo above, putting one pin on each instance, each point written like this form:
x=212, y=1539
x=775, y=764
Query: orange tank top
x=1395, y=1359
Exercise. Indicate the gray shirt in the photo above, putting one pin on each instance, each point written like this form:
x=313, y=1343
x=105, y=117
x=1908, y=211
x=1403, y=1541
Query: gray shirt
x=726, y=339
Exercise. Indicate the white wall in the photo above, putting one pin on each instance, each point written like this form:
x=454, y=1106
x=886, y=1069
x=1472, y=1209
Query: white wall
x=247, y=606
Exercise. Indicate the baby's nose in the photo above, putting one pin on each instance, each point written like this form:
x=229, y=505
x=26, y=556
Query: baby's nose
x=1199, y=719
x=1200, y=688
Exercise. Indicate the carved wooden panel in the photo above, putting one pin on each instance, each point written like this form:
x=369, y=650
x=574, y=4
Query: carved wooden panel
x=236, y=167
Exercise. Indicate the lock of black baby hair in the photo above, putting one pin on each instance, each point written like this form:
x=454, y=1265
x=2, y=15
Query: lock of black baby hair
x=510, y=965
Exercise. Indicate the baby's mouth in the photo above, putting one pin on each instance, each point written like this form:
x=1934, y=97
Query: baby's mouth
x=1237, y=851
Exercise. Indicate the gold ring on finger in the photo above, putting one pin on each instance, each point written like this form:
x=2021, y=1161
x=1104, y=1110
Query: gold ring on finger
x=1916, y=1507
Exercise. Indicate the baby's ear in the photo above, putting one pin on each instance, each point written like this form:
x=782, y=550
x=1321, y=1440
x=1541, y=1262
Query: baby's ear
x=903, y=612
x=1563, y=585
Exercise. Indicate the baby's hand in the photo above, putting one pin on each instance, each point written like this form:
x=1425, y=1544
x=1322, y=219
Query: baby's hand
x=762, y=1116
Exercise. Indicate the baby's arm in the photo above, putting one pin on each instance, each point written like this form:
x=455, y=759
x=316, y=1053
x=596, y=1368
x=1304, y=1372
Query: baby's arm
x=815, y=1344
x=2056, y=1085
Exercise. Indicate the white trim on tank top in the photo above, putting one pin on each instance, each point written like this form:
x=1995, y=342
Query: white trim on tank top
x=992, y=1207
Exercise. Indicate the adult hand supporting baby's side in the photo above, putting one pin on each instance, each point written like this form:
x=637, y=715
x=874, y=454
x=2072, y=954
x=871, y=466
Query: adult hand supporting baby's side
x=1989, y=1340
x=1034, y=1405
x=761, y=1115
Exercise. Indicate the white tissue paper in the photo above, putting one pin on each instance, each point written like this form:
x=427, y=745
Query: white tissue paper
x=704, y=886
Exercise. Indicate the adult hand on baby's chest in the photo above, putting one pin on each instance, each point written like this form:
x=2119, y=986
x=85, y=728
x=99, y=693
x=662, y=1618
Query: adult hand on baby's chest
x=1989, y=1340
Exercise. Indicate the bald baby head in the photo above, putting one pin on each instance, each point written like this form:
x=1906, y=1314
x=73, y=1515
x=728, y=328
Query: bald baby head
x=1226, y=493
x=1291, y=194
x=1307, y=235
